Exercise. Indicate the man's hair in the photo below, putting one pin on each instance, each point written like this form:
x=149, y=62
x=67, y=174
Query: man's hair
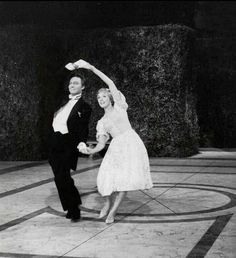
x=79, y=74
x=75, y=73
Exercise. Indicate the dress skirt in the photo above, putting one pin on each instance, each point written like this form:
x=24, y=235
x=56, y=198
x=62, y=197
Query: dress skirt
x=125, y=166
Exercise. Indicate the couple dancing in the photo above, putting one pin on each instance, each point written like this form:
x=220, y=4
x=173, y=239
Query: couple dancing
x=125, y=166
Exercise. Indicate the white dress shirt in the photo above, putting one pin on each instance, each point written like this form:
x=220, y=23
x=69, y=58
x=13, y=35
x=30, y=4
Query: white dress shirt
x=59, y=123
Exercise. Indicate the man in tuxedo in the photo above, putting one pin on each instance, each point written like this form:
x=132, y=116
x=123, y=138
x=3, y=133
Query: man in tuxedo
x=69, y=128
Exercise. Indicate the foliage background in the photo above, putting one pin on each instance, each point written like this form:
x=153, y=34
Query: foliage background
x=152, y=66
x=216, y=91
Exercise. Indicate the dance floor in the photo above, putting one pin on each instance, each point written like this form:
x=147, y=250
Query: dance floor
x=190, y=211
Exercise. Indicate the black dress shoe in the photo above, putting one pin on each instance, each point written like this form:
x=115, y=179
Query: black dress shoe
x=68, y=215
x=75, y=219
x=74, y=215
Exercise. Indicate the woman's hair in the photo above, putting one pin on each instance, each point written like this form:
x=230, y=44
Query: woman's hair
x=106, y=90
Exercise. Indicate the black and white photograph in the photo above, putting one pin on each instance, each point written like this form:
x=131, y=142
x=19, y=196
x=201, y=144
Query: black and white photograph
x=117, y=129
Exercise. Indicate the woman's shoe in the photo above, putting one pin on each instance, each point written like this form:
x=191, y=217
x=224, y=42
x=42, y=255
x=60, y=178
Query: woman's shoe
x=103, y=213
x=110, y=220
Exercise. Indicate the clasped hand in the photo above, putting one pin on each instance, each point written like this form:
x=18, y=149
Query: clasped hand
x=82, y=64
x=78, y=64
x=84, y=149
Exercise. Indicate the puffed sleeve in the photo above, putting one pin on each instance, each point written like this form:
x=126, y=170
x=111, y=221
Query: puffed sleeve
x=120, y=100
x=101, y=130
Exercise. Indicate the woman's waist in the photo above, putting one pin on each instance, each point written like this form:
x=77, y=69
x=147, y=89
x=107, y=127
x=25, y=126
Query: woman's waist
x=122, y=132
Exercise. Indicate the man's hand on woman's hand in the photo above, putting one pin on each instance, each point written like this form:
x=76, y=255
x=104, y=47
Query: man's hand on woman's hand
x=82, y=147
x=78, y=64
x=86, y=150
x=70, y=67
x=82, y=64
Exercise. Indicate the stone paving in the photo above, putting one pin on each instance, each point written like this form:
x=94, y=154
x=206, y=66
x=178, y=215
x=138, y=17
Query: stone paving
x=190, y=211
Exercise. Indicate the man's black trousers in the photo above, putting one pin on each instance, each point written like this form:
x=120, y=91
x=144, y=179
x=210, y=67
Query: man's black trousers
x=59, y=158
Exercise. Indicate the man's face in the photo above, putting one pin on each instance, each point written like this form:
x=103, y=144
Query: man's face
x=75, y=86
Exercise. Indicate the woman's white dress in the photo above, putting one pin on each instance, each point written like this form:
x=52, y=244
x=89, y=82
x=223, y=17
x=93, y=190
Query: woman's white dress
x=125, y=166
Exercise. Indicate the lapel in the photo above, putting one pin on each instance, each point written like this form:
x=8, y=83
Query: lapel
x=60, y=104
x=76, y=107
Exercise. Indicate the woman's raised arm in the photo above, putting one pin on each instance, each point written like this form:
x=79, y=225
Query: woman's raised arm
x=83, y=64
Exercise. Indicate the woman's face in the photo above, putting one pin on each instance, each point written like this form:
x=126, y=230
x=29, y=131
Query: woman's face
x=75, y=86
x=103, y=99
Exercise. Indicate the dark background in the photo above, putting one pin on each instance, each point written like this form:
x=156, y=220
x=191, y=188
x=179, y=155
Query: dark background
x=95, y=14
x=214, y=23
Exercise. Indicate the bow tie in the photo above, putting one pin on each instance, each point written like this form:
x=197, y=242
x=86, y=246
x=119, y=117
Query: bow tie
x=76, y=97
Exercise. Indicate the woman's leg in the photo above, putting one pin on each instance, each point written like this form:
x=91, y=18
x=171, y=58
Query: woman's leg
x=104, y=211
x=111, y=216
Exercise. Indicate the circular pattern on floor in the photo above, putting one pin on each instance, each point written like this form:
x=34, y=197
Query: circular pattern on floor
x=195, y=198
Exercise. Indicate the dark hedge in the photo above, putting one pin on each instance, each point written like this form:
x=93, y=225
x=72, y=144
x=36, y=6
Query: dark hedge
x=28, y=89
x=152, y=66
x=19, y=119
x=216, y=77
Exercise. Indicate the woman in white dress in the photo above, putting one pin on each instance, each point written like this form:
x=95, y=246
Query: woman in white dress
x=125, y=166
